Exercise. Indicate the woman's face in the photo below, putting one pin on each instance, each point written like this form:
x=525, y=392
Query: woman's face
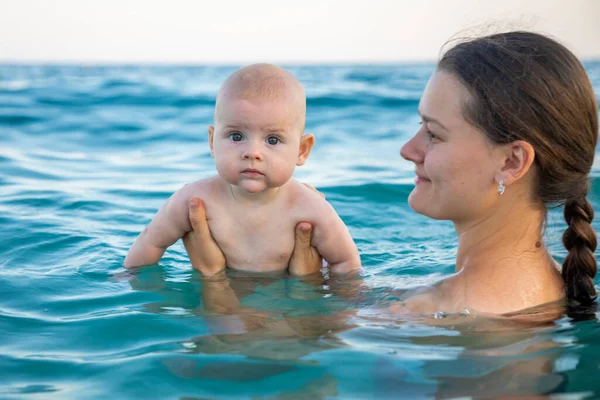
x=454, y=161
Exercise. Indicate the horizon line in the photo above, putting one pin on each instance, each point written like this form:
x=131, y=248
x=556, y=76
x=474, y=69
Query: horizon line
x=153, y=63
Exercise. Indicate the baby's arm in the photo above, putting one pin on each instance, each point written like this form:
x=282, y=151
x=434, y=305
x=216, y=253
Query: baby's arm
x=169, y=224
x=333, y=241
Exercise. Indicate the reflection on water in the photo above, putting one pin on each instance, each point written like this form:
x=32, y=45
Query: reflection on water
x=307, y=337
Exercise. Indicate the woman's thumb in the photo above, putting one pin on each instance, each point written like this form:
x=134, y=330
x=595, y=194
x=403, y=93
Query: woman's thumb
x=303, y=233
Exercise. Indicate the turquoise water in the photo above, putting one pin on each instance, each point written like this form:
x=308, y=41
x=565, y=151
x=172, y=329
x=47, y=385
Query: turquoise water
x=88, y=154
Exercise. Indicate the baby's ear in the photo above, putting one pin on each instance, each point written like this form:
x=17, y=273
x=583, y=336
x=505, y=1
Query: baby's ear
x=306, y=144
x=211, y=133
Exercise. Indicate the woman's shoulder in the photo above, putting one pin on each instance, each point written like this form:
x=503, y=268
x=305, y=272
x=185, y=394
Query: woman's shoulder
x=517, y=287
x=421, y=300
x=532, y=284
x=512, y=285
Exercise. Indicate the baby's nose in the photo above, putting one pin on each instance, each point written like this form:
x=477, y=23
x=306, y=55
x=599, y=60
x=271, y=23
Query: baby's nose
x=253, y=152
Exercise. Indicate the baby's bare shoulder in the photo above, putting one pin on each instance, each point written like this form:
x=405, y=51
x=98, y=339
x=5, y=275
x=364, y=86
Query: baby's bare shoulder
x=305, y=194
x=310, y=204
x=203, y=187
x=207, y=190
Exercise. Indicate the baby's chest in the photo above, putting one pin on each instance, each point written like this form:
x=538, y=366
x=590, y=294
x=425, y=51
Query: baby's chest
x=254, y=242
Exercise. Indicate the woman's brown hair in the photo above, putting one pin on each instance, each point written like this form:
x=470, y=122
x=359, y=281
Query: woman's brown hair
x=526, y=86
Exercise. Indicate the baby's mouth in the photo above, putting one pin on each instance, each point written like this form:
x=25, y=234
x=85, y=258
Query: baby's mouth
x=251, y=172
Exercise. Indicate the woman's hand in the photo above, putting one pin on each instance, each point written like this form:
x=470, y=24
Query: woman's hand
x=205, y=254
x=305, y=258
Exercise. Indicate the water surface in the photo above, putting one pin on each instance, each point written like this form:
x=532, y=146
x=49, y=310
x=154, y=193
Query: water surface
x=88, y=154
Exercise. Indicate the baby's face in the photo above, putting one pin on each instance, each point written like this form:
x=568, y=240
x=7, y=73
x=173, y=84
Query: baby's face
x=256, y=142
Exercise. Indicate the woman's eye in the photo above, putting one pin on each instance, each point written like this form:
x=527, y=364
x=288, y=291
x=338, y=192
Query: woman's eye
x=236, y=137
x=272, y=140
x=432, y=137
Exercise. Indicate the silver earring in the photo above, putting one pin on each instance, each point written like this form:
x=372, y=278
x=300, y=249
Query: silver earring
x=501, y=187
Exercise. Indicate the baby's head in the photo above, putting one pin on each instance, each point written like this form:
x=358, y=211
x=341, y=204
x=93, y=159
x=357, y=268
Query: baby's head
x=257, y=138
x=264, y=82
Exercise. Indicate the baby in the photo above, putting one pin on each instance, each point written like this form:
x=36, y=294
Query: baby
x=253, y=204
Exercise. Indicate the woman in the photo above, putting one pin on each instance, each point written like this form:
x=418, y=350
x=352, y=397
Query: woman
x=509, y=128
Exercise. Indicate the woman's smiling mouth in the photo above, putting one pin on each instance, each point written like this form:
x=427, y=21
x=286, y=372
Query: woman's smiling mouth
x=421, y=179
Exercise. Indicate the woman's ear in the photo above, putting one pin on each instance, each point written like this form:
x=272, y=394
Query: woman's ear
x=306, y=144
x=516, y=160
x=211, y=134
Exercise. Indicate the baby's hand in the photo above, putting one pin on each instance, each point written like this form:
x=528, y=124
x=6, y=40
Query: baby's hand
x=205, y=254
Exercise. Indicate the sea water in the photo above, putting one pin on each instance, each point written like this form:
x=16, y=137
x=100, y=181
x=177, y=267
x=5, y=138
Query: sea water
x=89, y=153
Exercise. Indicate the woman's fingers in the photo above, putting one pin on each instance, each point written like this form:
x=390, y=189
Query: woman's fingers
x=305, y=258
x=197, y=214
x=303, y=235
x=205, y=254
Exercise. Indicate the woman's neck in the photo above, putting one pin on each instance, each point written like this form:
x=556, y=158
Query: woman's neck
x=510, y=231
x=502, y=264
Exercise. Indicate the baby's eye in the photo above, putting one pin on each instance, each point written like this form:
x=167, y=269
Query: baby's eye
x=236, y=136
x=273, y=140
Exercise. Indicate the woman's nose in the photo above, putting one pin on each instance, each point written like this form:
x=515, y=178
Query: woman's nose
x=412, y=150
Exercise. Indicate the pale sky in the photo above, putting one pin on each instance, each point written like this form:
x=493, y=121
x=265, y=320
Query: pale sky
x=280, y=31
